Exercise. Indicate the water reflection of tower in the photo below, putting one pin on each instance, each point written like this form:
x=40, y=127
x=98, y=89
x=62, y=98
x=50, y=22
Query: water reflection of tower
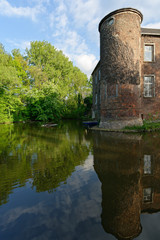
x=117, y=161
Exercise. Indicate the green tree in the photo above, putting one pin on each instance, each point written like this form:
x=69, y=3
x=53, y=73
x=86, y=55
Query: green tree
x=47, y=65
x=41, y=85
x=10, y=85
x=21, y=67
x=44, y=104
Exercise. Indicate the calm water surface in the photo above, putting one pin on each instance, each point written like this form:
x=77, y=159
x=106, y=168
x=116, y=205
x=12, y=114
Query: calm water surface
x=67, y=183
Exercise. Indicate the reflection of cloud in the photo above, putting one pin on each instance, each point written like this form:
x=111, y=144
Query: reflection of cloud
x=13, y=215
x=88, y=165
x=62, y=214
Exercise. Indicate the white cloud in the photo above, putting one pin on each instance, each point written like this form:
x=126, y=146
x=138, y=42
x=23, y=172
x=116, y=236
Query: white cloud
x=58, y=18
x=62, y=21
x=61, y=7
x=86, y=62
x=6, y=9
x=39, y=1
x=51, y=20
x=75, y=42
x=86, y=15
x=66, y=36
x=84, y=11
x=152, y=25
x=74, y=46
x=21, y=44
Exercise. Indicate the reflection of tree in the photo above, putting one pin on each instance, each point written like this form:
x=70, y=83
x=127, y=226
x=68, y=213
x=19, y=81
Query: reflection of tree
x=46, y=155
x=57, y=169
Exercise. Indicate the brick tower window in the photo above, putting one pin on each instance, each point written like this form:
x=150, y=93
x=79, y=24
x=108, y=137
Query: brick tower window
x=148, y=52
x=99, y=74
x=96, y=78
x=149, y=88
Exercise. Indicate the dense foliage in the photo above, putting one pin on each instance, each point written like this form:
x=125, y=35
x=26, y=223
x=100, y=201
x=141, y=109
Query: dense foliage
x=41, y=85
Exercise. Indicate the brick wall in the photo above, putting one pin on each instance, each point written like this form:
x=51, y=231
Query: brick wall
x=151, y=105
x=96, y=93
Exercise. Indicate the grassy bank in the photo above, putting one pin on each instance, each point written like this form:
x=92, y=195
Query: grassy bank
x=147, y=126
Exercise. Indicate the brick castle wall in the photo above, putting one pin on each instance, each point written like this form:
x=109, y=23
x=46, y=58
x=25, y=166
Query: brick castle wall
x=120, y=66
x=118, y=95
x=151, y=105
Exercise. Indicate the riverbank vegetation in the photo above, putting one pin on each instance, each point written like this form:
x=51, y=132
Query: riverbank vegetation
x=147, y=126
x=42, y=84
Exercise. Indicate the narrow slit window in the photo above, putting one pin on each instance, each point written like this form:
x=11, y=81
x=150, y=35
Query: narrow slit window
x=99, y=74
x=95, y=78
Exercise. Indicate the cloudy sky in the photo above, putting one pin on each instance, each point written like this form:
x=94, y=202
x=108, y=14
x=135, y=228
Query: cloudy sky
x=70, y=25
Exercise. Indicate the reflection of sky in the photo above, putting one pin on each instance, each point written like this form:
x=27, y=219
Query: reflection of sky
x=150, y=227
x=71, y=212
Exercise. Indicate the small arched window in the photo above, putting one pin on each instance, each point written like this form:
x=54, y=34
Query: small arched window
x=110, y=21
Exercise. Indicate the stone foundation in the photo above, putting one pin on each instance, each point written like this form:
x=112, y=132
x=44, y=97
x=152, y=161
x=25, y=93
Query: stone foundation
x=119, y=124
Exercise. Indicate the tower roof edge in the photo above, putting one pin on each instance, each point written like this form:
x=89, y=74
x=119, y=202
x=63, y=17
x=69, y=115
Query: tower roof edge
x=120, y=11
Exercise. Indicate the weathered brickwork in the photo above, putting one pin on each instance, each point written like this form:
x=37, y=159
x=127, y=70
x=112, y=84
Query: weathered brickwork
x=96, y=92
x=119, y=98
x=151, y=105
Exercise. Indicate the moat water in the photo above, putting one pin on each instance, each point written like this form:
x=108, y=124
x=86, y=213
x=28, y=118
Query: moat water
x=68, y=183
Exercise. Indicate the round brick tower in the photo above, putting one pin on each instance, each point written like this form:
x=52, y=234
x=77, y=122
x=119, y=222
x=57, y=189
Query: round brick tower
x=120, y=43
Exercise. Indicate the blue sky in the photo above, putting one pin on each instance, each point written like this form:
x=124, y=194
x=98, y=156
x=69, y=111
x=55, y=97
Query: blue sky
x=70, y=25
